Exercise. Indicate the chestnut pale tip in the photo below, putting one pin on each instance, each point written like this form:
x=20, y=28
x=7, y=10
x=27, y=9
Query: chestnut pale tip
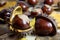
x=38, y=10
x=30, y=9
x=48, y=6
x=35, y=11
x=24, y=18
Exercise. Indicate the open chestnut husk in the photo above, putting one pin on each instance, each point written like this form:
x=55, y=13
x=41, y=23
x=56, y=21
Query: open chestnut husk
x=47, y=9
x=49, y=2
x=45, y=26
x=32, y=2
x=24, y=5
x=20, y=22
x=2, y=3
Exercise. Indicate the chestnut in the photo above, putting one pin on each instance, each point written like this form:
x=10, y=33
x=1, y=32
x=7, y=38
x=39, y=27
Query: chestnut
x=47, y=9
x=36, y=12
x=44, y=27
x=2, y=3
x=5, y=14
x=49, y=2
x=24, y=5
x=32, y=2
x=21, y=22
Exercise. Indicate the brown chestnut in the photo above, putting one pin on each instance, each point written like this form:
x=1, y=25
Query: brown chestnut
x=32, y=2
x=2, y=3
x=23, y=5
x=36, y=12
x=21, y=22
x=44, y=27
x=49, y=2
x=5, y=15
x=47, y=9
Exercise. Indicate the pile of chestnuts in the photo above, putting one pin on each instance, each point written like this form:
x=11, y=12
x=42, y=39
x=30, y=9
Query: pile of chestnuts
x=44, y=25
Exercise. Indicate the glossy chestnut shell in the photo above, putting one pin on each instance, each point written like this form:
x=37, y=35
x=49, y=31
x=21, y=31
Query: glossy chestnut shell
x=5, y=14
x=23, y=5
x=36, y=12
x=32, y=2
x=47, y=9
x=49, y=2
x=44, y=27
x=19, y=23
